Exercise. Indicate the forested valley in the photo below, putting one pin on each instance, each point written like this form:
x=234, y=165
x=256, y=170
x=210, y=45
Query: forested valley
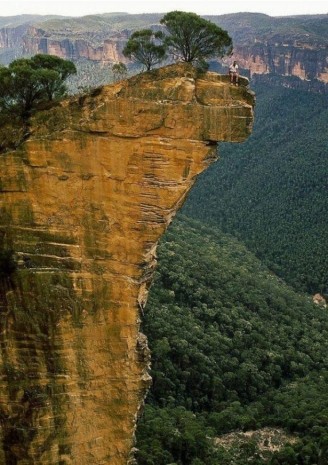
x=233, y=349
x=271, y=191
x=239, y=351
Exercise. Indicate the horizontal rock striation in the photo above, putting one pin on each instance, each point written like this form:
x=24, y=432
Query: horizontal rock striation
x=83, y=203
x=305, y=62
x=81, y=46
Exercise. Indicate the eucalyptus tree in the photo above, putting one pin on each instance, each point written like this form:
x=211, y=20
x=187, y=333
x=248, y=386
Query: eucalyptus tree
x=28, y=81
x=146, y=47
x=193, y=39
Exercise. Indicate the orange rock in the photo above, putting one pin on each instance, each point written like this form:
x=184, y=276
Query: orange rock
x=83, y=204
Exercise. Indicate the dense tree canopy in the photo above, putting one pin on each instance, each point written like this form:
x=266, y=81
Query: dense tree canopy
x=29, y=81
x=271, y=191
x=145, y=47
x=61, y=69
x=233, y=349
x=194, y=39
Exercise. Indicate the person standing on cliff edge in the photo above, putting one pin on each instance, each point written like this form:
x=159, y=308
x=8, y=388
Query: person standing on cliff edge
x=234, y=73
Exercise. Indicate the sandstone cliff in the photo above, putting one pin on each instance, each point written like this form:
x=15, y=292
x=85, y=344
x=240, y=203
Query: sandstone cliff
x=284, y=59
x=76, y=47
x=294, y=46
x=12, y=31
x=83, y=204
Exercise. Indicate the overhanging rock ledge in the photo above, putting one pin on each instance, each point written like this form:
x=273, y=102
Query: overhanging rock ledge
x=83, y=203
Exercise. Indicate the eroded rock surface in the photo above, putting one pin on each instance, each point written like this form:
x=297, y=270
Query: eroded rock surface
x=83, y=204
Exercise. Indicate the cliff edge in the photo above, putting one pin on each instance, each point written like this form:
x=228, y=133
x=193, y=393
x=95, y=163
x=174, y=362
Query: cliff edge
x=83, y=203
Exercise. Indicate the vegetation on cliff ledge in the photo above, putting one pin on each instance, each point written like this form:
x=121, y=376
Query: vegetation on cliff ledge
x=145, y=47
x=194, y=39
x=24, y=85
x=188, y=37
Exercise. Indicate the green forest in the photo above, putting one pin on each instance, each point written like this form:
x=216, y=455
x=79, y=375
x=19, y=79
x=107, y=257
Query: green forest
x=239, y=351
x=233, y=349
x=271, y=191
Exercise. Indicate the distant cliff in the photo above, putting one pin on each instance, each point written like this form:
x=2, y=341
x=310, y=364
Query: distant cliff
x=287, y=47
x=283, y=59
x=109, y=50
x=83, y=203
x=295, y=46
x=13, y=29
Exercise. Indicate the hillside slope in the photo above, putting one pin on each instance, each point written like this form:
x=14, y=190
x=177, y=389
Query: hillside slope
x=271, y=191
x=233, y=349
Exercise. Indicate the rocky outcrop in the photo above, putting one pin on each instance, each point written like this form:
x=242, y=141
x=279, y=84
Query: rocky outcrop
x=83, y=203
x=319, y=299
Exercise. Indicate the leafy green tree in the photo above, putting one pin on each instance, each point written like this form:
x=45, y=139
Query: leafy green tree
x=27, y=82
x=177, y=436
x=119, y=71
x=146, y=47
x=58, y=71
x=287, y=456
x=194, y=39
x=323, y=453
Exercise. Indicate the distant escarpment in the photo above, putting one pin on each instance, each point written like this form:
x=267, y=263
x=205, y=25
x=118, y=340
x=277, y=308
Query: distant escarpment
x=84, y=45
x=83, y=203
x=13, y=29
x=287, y=47
x=294, y=46
x=284, y=59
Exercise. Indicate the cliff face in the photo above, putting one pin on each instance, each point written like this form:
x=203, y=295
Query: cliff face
x=13, y=29
x=11, y=36
x=283, y=59
x=11, y=42
x=76, y=47
x=83, y=204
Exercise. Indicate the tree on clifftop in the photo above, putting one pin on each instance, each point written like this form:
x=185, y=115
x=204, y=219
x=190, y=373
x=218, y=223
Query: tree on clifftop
x=194, y=39
x=146, y=47
x=27, y=82
x=61, y=69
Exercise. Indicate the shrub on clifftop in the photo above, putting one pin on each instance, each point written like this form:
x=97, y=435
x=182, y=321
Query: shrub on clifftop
x=24, y=84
